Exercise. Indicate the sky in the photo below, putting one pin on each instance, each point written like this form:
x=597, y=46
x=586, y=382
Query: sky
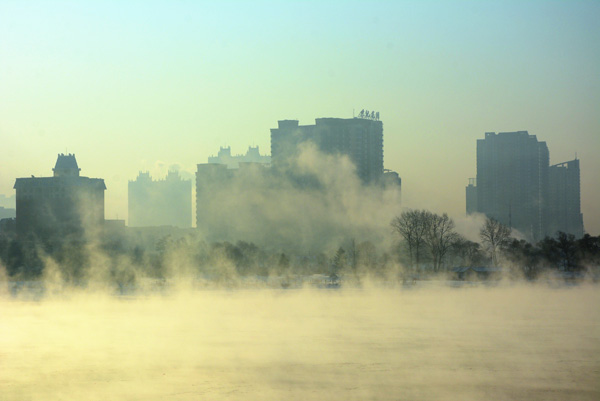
x=146, y=85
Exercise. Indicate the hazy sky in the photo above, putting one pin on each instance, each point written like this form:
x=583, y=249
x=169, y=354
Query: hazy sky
x=130, y=86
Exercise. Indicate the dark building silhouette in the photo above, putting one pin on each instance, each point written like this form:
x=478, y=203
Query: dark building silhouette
x=361, y=139
x=517, y=187
x=391, y=178
x=252, y=156
x=471, y=195
x=564, y=199
x=512, y=181
x=60, y=205
x=165, y=202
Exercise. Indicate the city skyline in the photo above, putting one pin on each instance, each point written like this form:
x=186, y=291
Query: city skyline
x=145, y=87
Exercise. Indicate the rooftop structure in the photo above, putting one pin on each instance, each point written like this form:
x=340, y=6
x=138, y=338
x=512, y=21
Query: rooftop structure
x=252, y=156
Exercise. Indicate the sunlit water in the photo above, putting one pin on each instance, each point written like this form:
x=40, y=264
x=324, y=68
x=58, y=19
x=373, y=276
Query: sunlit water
x=501, y=343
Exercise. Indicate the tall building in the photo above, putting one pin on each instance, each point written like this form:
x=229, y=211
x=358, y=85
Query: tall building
x=517, y=186
x=231, y=202
x=165, y=202
x=60, y=205
x=471, y=195
x=564, y=202
x=512, y=181
x=252, y=156
x=361, y=139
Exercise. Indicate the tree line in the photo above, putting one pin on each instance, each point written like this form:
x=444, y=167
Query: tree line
x=429, y=241
x=426, y=241
x=121, y=261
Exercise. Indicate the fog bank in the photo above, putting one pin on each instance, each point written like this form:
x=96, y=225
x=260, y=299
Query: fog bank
x=503, y=343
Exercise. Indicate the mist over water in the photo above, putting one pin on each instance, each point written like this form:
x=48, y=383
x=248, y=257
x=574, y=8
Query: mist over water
x=125, y=317
x=314, y=206
x=508, y=342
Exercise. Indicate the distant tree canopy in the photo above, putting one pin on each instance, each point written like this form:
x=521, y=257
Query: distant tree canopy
x=425, y=232
x=123, y=261
x=426, y=237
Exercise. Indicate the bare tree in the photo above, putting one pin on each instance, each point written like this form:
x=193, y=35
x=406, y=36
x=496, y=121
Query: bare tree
x=411, y=225
x=439, y=237
x=467, y=253
x=494, y=236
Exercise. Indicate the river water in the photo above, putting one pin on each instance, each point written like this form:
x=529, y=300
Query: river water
x=509, y=342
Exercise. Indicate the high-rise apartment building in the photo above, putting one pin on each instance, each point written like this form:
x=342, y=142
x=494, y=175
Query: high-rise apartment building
x=65, y=204
x=564, y=202
x=165, y=202
x=512, y=181
x=517, y=186
x=361, y=139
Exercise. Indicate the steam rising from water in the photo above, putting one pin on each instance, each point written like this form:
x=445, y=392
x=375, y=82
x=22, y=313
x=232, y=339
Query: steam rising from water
x=314, y=207
x=517, y=342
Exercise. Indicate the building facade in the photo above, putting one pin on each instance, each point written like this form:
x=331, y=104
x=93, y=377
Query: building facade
x=517, y=186
x=512, y=181
x=361, y=139
x=165, y=202
x=64, y=204
x=471, y=196
x=564, y=199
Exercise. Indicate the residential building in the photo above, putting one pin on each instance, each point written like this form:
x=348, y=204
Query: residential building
x=361, y=139
x=512, y=181
x=165, y=202
x=564, y=199
x=517, y=186
x=471, y=195
x=65, y=204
